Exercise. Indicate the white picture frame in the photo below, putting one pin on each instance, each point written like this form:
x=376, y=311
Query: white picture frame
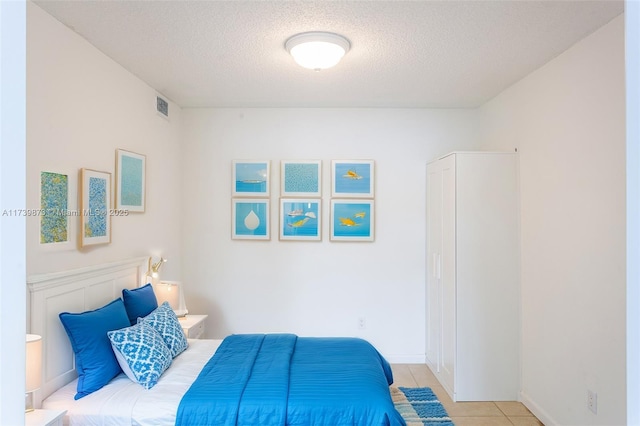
x=301, y=178
x=130, y=181
x=352, y=220
x=300, y=219
x=250, y=178
x=250, y=219
x=352, y=178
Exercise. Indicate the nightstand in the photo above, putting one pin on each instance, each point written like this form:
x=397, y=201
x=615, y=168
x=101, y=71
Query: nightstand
x=193, y=326
x=44, y=417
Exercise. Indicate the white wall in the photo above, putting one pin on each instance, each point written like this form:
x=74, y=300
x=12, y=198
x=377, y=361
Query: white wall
x=81, y=107
x=12, y=184
x=315, y=288
x=567, y=120
x=632, y=54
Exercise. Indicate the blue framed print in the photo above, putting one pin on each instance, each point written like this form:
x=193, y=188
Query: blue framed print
x=300, y=219
x=250, y=178
x=130, y=181
x=352, y=178
x=352, y=220
x=95, y=204
x=250, y=219
x=301, y=178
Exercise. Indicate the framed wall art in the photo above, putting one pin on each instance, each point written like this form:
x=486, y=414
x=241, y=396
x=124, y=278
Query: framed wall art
x=352, y=178
x=250, y=178
x=250, y=219
x=300, y=219
x=54, y=209
x=95, y=207
x=301, y=178
x=352, y=220
x=130, y=181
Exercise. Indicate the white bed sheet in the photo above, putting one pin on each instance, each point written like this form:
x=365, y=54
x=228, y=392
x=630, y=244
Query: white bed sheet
x=123, y=402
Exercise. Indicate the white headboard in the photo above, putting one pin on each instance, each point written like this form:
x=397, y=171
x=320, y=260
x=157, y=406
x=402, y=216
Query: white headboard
x=75, y=290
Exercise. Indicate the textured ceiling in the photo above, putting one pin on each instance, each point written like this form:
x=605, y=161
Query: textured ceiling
x=403, y=54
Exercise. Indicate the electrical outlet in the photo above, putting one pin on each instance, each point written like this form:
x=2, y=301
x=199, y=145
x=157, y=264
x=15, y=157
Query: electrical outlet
x=592, y=401
x=362, y=323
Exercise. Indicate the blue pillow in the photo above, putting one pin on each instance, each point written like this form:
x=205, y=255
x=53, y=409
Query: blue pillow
x=166, y=323
x=95, y=362
x=141, y=353
x=139, y=302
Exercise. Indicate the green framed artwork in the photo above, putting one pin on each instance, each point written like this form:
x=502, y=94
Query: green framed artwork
x=54, y=209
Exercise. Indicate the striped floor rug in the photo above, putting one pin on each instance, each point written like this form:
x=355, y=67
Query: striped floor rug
x=420, y=407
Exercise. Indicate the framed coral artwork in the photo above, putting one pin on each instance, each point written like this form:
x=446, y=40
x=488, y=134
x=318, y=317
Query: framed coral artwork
x=55, y=210
x=301, y=178
x=95, y=207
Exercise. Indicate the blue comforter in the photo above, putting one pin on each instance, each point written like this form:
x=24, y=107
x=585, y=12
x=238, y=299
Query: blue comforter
x=282, y=379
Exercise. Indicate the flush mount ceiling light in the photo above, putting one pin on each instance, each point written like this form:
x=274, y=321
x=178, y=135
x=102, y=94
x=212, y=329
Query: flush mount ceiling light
x=317, y=50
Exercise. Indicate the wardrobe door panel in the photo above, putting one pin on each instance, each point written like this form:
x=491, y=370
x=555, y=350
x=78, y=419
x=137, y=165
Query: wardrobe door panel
x=434, y=253
x=448, y=279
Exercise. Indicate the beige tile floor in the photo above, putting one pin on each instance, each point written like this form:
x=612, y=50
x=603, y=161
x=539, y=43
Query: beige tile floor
x=511, y=413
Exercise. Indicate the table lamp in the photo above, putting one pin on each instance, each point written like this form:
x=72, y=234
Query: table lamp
x=33, y=368
x=171, y=291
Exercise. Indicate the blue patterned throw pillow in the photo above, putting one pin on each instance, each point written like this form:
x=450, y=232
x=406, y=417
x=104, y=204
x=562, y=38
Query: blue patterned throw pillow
x=165, y=321
x=141, y=353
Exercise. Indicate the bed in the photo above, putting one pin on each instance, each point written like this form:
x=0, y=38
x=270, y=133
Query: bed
x=258, y=379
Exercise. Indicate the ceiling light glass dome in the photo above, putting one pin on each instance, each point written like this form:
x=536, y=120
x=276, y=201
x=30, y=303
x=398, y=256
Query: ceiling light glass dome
x=317, y=50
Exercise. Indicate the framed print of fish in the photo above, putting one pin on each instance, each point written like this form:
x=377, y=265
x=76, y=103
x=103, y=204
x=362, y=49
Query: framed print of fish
x=300, y=219
x=352, y=178
x=250, y=219
x=352, y=220
x=250, y=178
x=301, y=178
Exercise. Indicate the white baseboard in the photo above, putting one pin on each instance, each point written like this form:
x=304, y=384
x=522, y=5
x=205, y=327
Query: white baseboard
x=537, y=411
x=405, y=359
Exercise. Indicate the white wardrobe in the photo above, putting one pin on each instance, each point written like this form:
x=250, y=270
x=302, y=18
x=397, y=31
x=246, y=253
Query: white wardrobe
x=473, y=296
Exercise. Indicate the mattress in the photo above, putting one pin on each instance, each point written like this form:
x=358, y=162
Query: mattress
x=123, y=402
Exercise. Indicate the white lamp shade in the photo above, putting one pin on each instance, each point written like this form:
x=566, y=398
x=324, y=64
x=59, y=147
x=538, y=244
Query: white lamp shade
x=171, y=291
x=317, y=50
x=34, y=363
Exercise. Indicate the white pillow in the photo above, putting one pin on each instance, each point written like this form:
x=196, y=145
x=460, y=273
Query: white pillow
x=141, y=353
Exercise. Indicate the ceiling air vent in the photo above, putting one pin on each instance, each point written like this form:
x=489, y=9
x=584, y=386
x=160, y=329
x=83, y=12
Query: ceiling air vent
x=162, y=107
